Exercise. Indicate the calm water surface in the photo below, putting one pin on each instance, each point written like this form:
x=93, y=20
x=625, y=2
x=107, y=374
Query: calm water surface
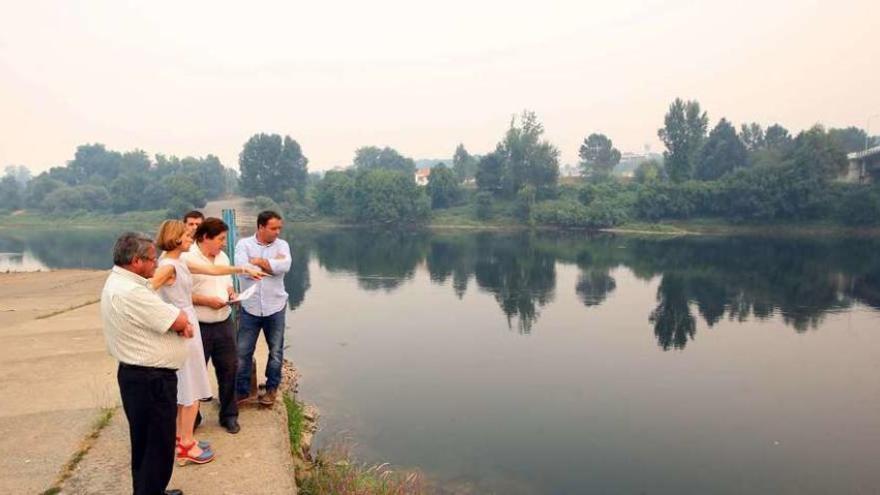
x=562, y=364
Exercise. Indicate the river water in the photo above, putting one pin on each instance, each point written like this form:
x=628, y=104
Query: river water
x=562, y=363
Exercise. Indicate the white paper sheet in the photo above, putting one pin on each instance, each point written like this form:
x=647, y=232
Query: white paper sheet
x=245, y=295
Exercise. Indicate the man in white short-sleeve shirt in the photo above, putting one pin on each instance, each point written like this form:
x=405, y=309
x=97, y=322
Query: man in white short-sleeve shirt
x=146, y=336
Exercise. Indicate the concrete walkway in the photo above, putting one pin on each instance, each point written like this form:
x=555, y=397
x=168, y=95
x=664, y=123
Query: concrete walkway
x=56, y=378
x=55, y=374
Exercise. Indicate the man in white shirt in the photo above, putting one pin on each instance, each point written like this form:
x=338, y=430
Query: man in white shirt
x=146, y=336
x=266, y=309
x=211, y=295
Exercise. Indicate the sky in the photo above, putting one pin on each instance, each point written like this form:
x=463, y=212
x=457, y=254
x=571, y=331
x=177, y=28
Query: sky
x=195, y=78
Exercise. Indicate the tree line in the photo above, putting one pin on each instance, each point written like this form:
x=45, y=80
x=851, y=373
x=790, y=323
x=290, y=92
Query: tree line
x=748, y=174
x=104, y=181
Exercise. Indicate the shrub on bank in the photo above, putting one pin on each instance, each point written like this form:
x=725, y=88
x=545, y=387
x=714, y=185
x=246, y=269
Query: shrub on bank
x=856, y=205
x=572, y=214
x=336, y=474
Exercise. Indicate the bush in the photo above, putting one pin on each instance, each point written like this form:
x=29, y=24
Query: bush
x=525, y=202
x=65, y=200
x=572, y=214
x=389, y=197
x=443, y=188
x=857, y=205
x=334, y=194
x=263, y=203
x=483, y=205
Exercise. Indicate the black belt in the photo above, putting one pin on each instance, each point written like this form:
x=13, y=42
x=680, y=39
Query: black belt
x=136, y=367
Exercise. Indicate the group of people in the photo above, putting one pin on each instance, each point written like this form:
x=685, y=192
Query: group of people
x=165, y=316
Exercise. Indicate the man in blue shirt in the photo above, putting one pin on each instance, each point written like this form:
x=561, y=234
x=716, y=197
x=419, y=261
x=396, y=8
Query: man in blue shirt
x=266, y=308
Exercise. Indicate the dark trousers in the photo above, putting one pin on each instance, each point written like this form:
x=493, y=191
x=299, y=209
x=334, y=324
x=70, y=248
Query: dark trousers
x=248, y=331
x=149, y=398
x=218, y=340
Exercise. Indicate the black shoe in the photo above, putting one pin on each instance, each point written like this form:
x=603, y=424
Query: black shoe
x=198, y=420
x=173, y=492
x=231, y=425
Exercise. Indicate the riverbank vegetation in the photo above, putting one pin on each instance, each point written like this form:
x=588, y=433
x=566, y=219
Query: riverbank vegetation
x=751, y=176
x=333, y=470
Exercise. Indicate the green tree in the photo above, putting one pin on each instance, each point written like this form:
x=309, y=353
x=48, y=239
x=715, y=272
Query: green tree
x=850, y=139
x=208, y=173
x=10, y=193
x=372, y=158
x=62, y=174
x=126, y=192
x=443, y=188
x=176, y=193
x=752, y=136
x=490, y=172
x=39, y=188
x=528, y=159
x=777, y=137
x=271, y=165
x=94, y=163
x=818, y=154
x=390, y=198
x=20, y=173
x=66, y=200
x=134, y=162
x=463, y=164
x=334, y=195
x=683, y=134
x=648, y=171
x=483, y=205
x=598, y=156
x=722, y=153
x=525, y=203
x=293, y=166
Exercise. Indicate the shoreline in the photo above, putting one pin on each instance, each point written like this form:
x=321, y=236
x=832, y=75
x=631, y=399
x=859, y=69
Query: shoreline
x=149, y=220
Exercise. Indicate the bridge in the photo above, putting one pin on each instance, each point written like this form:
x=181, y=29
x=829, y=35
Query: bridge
x=864, y=166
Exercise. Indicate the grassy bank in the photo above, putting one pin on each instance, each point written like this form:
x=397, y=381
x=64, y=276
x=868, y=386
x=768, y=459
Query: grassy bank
x=135, y=220
x=334, y=472
x=710, y=226
x=457, y=219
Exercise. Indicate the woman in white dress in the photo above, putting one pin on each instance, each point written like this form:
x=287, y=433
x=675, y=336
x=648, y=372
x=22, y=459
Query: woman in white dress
x=173, y=280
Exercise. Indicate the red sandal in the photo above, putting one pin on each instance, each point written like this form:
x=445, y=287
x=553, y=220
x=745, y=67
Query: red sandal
x=183, y=456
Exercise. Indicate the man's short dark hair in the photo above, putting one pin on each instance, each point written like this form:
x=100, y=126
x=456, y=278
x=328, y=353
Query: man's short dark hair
x=264, y=217
x=211, y=228
x=129, y=246
x=193, y=214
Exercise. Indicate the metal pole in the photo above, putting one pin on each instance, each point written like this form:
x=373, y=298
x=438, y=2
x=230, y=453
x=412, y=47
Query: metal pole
x=231, y=239
x=864, y=168
x=868, y=129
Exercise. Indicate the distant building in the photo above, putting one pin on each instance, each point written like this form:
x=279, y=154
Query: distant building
x=630, y=161
x=422, y=175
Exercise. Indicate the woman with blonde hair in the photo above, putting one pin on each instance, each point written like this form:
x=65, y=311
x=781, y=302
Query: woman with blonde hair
x=173, y=280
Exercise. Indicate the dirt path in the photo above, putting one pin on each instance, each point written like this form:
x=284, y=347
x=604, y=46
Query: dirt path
x=245, y=214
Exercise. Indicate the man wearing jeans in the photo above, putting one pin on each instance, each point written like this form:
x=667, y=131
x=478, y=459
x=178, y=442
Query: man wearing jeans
x=266, y=308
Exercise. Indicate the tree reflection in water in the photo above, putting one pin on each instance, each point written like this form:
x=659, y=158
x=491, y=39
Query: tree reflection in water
x=799, y=280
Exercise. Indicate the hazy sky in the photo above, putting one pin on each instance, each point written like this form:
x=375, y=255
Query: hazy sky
x=192, y=78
